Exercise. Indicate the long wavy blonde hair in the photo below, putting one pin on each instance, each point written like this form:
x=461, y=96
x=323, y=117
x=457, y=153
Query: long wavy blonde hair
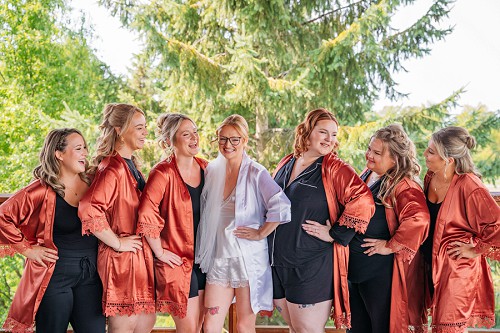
x=114, y=115
x=49, y=168
x=404, y=153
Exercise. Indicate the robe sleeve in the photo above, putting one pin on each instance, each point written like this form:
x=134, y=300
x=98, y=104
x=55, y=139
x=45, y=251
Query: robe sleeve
x=355, y=197
x=278, y=206
x=150, y=222
x=414, y=220
x=14, y=213
x=96, y=202
x=483, y=216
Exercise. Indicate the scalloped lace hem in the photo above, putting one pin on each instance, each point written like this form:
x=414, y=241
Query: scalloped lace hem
x=474, y=321
x=12, y=325
x=149, y=230
x=96, y=224
x=12, y=249
x=418, y=329
x=341, y=321
x=353, y=222
x=406, y=253
x=228, y=283
x=488, y=250
x=116, y=309
x=174, y=309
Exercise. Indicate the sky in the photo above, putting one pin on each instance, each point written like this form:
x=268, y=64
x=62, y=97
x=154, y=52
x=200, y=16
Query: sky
x=469, y=57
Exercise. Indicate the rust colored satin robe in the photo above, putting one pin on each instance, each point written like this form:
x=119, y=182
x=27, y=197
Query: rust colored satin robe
x=408, y=223
x=350, y=203
x=27, y=219
x=166, y=212
x=463, y=288
x=112, y=202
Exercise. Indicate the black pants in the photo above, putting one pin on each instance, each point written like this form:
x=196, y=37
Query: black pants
x=371, y=304
x=74, y=295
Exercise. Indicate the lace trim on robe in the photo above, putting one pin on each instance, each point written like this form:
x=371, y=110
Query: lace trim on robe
x=341, y=321
x=96, y=224
x=474, y=321
x=418, y=329
x=174, y=309
x=113, y=309
x=12, y=325
x=492, y=252
x=405, y=252
x=12, y=249
x=149, y=230
x=353, y=222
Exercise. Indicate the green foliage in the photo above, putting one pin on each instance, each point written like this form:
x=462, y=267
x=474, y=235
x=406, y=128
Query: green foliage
x=46, y=71
x=12, y=268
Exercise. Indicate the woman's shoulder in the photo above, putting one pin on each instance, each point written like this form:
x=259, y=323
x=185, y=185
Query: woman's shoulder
x=334, y=163
x=406, y=183
x=469, y=183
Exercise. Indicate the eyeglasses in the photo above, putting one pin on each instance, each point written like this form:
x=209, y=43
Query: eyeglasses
x=234, y=140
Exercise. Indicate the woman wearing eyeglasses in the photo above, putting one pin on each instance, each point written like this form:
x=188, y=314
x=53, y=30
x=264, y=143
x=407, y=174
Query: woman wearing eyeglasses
x=241, y=206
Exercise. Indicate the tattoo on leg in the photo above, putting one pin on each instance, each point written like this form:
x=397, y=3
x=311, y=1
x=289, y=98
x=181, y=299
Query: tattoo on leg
x=213, y=310
x=304, y=306
x=279, y=309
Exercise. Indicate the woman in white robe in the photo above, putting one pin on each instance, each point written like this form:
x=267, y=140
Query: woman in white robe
x=241, y=205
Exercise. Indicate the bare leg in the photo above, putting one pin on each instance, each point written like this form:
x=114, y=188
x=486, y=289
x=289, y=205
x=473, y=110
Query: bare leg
x=309, y=318
x=145, y=322
x=122, y=324
x=217, y=302
x=282, y=307
x=244, y=313
x=190, y=323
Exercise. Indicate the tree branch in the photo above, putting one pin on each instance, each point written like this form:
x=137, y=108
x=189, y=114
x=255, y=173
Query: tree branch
x=331, y=12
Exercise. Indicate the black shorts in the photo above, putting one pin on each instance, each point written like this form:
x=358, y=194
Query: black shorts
x=308, y=284
x=198, y=281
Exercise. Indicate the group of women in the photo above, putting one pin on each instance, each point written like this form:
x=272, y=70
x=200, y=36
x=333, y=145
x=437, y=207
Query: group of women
x=373, y=251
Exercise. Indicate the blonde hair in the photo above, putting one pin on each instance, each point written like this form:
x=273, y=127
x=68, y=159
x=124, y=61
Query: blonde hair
x=456, y=142
x=48, y=170
x=114, y=115
x=304, y=129
x=238, y=122
x=167, y=126
x=403, y=152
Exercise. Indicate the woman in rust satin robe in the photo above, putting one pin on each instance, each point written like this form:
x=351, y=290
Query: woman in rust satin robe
x=109, y=211
x=169, y=214
x=309, y=259
x=379, y=260
x=59, y=284
x=466, y=230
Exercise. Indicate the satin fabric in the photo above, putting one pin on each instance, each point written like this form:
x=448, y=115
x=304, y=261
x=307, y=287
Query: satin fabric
x=258, y=200
x=464, y=294
x=350, y=203
x=27, y=219
x=408, y=221
x=112, y=201
x=166, y=212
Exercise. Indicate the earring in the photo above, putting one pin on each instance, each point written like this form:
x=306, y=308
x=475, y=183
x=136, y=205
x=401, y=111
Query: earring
x=445, y=167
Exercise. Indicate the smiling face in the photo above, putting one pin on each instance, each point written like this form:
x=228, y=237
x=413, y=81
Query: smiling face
x=135, y=135
x=228, y=134
x=186, y=139
x=378, y=157
x=323, y=138
x=74, y=157
x=433, y=160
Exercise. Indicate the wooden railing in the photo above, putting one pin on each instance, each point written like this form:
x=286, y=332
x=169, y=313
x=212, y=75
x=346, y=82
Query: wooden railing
x=277, y=329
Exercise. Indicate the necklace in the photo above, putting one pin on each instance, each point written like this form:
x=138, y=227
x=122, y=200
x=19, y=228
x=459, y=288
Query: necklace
x=436, y=188
x=72, y=190
x=373, y=179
